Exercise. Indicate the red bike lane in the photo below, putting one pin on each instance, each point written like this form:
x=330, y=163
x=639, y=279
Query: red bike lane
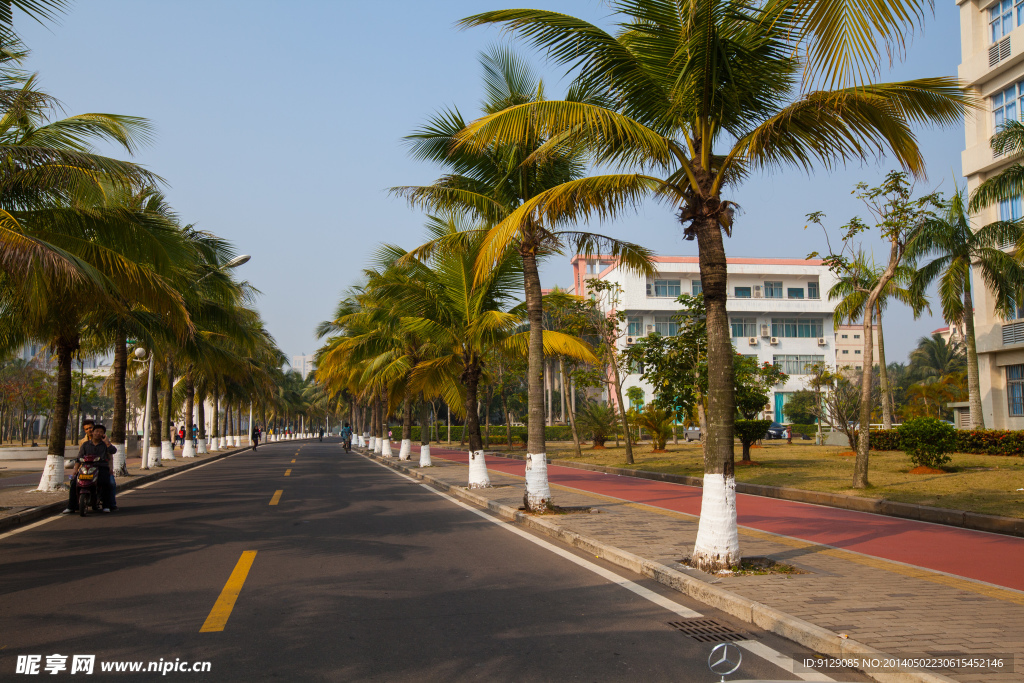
x=979, y=555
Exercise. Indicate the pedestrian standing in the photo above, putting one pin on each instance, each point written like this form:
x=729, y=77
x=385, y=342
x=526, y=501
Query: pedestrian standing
x=255, y=438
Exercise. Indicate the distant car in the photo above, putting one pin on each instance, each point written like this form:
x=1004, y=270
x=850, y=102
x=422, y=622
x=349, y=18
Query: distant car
x=776, y=431
x=692, y=434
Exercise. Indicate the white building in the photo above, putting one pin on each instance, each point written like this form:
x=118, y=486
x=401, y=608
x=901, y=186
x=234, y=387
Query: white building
x=778, y=310
x=850, y=346
x=303, y=365
x=992, y=67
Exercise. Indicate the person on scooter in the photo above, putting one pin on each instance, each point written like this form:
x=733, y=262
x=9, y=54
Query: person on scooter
x=97, y=445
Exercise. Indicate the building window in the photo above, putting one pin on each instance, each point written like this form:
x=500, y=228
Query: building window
x=795, y=293
x=742, y=292
x=665, y=325
x=844, y=336
x=1000, y=19
x=666, y=288
x=1015, y=389
x=635, y=326
x=696, y=287
x=1010, y=210
x=857, y=352
x=797, y=327
x=812, y=290
x=1004, y=106
x=845, y=352
x=773, y=290
x=856, y=336
x=796, y=365
x=744, y=327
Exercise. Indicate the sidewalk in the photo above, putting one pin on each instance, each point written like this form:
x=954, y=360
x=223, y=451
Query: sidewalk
x=892, y=607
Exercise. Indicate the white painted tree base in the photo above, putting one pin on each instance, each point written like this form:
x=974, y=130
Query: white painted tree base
x=201, y=446
x=405, y=450
x=238, y=442
x=167, y=451
x=425, y=456
x=53, y=474
x=385, y=450
x=120, y=459
x=189, y=451
x=361, y=442
x=378, y=445
x=538, y=493
x=478, y=477
x=718, y=545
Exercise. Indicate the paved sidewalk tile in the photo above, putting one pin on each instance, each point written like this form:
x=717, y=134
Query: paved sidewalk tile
x=895, y=608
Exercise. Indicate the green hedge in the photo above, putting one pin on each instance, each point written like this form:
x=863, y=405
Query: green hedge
x=809, y=430
x=977, y=441
x=557, y=433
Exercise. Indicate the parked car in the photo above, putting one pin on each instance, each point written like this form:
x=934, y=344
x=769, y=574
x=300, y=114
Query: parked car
x=692, y=434
x=776, y=431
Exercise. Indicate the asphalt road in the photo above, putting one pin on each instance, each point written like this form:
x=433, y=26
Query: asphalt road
x=358, y=574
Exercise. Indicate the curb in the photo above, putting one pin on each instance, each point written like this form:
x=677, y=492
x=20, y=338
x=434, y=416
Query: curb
x=50, y=509
x=976, y=521
x=819, y=640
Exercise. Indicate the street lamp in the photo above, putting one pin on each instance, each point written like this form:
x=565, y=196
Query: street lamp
x=237, y=261
x=140, y=356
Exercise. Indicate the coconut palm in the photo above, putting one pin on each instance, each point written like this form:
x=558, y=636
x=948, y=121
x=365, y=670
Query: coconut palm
x=492, y=181
x=955, y=249
x=707, y=92
x=853, y=295
x=935, y=358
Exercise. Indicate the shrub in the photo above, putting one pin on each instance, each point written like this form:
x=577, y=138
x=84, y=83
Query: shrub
x=749, y=431
x=990, y=442
x=658, y=422
x=596, y=420
x=927, y=440
x=807, y=429
x=884, y=440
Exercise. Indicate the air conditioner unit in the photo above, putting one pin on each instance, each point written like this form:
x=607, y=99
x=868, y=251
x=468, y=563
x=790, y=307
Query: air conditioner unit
x=751, y=340
x=650, y=328
x=630, y=341
x=650, y=289
x=774, y=341
x=822, y=341
x=758, y=294
x=766, y=331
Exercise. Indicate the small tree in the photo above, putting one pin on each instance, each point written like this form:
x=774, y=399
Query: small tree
x=597, y=419
x=657, y=421
x=749, y=432
x=800, y=406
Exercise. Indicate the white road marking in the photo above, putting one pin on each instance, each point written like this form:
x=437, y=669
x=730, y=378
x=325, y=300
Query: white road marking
x=29, y=526
x=780, y=660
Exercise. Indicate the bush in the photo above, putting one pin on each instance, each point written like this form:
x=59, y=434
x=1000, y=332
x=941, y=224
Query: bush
x=808, y=429
x=749, y=431
x=927, y=440
x=976, y=441
x=884, y=440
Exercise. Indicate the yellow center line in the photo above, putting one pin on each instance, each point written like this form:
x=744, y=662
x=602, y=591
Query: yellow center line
x=293, y=460
x=288, y=472
x=218, y=616
x=277, y=497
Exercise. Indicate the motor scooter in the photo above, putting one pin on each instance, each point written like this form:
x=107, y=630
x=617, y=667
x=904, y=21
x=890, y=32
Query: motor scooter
x=88, y=483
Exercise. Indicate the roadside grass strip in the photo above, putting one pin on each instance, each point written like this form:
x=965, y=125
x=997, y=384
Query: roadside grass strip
x=276, y=497
x=218, y=616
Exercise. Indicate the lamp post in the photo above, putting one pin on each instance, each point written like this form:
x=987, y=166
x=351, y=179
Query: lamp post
x=140, y=355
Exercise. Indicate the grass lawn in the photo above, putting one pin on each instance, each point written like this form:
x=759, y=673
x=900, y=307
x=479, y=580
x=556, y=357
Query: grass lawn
x=977, y=483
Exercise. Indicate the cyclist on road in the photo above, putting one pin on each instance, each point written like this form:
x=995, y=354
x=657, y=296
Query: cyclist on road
x=346, y=436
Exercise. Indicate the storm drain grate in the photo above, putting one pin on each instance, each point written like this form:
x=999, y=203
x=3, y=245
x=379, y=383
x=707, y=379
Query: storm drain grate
x=707, y=630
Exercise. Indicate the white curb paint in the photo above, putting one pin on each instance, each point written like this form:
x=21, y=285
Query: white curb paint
x=405, y=450
x=537, y=490
x=425, y=456
x=478, y=477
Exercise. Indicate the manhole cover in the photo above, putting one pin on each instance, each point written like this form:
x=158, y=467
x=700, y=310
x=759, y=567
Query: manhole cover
x=707, y=630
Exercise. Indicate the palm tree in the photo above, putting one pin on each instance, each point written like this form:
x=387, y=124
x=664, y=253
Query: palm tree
x=492, y=181
x=935, y=358
x=707, y=92
x=955, y=249
x=853, y=296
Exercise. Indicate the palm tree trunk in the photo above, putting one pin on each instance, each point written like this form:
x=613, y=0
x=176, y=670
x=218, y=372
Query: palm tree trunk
x=403, y=453
x=424, y=432
x=227, y=421
x=538, y=494
x=717, y=545
x=188, y=451
x=216, y=416
x=973, y=380
x=119, y=422
x=201, y=416
x=478, y=477
x=883, y=374
x=572, y=418
x=53, y=472
x=860, y=467
x=167, y=452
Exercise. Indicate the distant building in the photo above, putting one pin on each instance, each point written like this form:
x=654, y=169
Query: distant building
x=951, y=334
x=303, y=365
x=776, y=307
x=850, y=346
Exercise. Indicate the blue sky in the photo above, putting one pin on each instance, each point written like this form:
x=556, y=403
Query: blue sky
x=280, y=125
